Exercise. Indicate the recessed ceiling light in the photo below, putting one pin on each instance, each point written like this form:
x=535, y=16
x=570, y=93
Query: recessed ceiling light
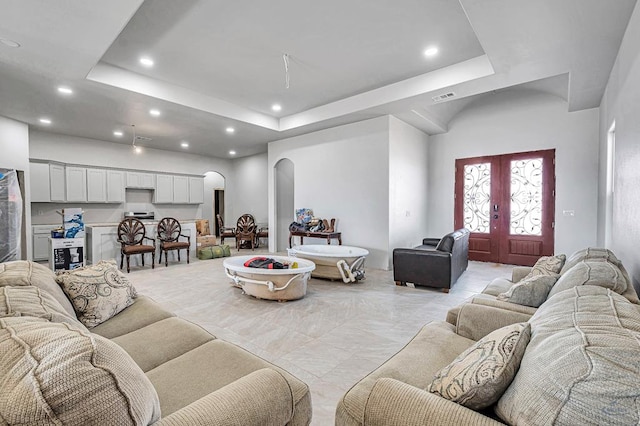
x=45, y=121
x=431, y=51
x=185, y=144
x=147, y=62
x=276, y=107
x=230, y=130
x=154, y=112
x=137, y=149
x=118, y=133
x=232, y=153
x=9, y=43
x=65, y=90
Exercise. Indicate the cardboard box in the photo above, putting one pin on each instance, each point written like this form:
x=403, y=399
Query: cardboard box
x=206, y=241
x=202, y=227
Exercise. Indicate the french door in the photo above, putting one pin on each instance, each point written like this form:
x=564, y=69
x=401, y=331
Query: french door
x=508, y=203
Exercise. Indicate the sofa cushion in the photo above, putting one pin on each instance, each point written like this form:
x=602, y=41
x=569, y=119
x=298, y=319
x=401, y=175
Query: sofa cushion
x=23, y=272
x=435, y=346
x=479, y=375
x=531, y=291
x=210, y=367
x=143, y=312
x=98, y=292
x=30, y=301
x=497, y=286
x=185, y=336
x=56, y=373
x=547, y=265
x=585, y=342
x=596, y=272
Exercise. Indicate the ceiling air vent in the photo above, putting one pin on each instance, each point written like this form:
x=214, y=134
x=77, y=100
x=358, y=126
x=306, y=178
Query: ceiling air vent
x=143, y=138
x=443, y=97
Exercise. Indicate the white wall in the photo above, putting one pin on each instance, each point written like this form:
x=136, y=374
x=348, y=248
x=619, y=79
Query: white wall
x=246, y=192
x=516, y=121
x=408, y=185
x=342, y=173
x=14, y=154
x=91, y=152
x=621, y=103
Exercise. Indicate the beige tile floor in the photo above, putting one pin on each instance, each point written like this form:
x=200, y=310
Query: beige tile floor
x=330, y=339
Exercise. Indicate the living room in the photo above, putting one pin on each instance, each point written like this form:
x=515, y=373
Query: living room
x=562, y=77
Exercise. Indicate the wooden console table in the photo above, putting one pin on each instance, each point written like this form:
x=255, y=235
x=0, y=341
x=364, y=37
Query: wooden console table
x=328, y=235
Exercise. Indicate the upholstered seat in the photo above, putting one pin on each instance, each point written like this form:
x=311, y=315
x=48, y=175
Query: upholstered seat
x=169, y=231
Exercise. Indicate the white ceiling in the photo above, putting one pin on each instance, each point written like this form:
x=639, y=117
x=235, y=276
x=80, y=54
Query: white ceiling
x=220, y=63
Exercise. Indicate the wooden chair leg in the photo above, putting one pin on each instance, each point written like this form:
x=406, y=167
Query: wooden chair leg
x=121, y=260
x=187, y=256
x=128, y=268
x=153, y=260
x=178, y=251
x=160, y=258
x=445, y=290
x=166, y=258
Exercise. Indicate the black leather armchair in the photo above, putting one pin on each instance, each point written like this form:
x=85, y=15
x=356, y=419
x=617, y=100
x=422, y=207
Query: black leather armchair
x=436, y=263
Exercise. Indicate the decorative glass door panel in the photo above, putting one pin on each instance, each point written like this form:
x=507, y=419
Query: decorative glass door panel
x=477, y=197
x=507, y=202
x=526, y=197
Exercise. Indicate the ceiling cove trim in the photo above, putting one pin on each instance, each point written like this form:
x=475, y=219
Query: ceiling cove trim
x=462, y=72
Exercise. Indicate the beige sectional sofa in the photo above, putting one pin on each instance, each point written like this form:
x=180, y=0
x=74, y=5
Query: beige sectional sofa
x=580, y=365
x=142, y=366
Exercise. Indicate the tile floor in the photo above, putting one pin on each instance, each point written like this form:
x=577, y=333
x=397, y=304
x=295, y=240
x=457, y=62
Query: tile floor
x=330, y=339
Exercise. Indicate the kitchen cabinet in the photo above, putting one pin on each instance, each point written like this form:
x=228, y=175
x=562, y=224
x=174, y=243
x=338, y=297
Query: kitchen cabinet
x=180, y=190
x=115, y=186
x=40, y=186
x=164, y=189
x=57, y=182
x=41, y=236
x=140, y=180
x=76, y=183
x=196, y=190
x=96, y=185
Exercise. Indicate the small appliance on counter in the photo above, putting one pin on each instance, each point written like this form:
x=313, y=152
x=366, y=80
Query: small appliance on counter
x=140, y=215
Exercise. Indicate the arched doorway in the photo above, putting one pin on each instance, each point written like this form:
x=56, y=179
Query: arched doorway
x=284, y=175
x=214, y=184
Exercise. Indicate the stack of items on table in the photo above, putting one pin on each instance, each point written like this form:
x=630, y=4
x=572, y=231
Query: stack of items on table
x=307, y=222
x=207, y=244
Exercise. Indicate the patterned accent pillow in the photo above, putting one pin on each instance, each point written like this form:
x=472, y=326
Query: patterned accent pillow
x=478, y=377
x=548, y=265
x=531, y=291
x=97, y=292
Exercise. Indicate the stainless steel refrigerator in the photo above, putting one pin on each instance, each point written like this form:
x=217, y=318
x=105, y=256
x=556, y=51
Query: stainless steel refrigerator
x=10, y=216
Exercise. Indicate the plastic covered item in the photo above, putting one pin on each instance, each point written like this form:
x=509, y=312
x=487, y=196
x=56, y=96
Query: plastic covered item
x=10, y=216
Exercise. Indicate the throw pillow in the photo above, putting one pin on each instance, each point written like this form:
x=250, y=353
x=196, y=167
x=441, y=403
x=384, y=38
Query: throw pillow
x=30, y=301
x=478, y=377
x=596, y=272
x=548, y=265
x=54, y=374
x=531, y=291
x=97, y=292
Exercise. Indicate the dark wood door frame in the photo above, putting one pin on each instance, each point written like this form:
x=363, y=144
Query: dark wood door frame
x=499, y=244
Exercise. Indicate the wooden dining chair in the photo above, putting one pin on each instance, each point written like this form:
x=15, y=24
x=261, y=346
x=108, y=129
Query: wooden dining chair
x=225, y=232
x=246, y=231
x=169, y=231
x=131, y=235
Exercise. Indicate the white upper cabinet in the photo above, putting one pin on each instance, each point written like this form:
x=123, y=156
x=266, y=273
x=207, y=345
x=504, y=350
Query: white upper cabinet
x=57, y=182
x=39, y=178
x=164, y=189
x=140, y=180
x=115, y=186
x=96, y=185
x=196, y=190
x=76, y=183
x=180, y=190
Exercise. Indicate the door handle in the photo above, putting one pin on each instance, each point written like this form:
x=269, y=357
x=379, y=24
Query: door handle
x=495, y=216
